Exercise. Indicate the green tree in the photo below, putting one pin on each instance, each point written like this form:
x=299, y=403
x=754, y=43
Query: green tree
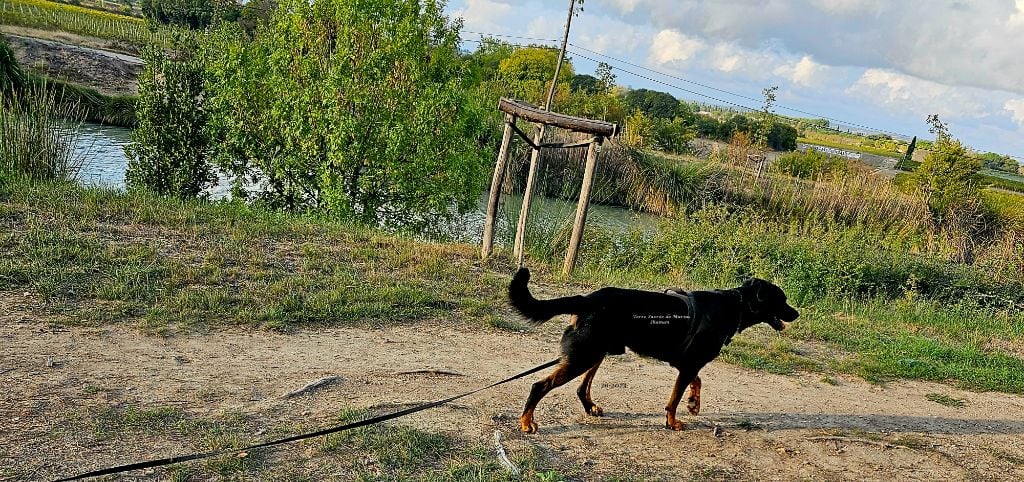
x=527, y=73
x=946, y=175
x=587, y=84
x=327, y=113
x=195, y=14
x=170, y=148
x=660, y=105
x=484, y=61
x=909, y=156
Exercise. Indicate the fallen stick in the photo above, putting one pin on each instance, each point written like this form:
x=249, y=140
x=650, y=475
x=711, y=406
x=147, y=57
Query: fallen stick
x=431, y=372
x=313, y=386
x=502, y=456
x=836, y=438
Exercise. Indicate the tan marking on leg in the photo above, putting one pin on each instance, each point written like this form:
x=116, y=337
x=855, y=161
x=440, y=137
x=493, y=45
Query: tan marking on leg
x=693, y=401
x=584, y=392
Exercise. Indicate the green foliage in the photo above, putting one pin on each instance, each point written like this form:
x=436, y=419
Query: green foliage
x=999, y=162
x=672, y=136
x=946, y=175
x=484, y=61
x=587, y=84
x=93, y=105
x=37, y=128
x=324, y=113
x=782, y=137
x=170, y=149
x=11, y=77
x=809, y=164
x=659, y=105
x=526, y=74
x=194, y=14
x=715, y=247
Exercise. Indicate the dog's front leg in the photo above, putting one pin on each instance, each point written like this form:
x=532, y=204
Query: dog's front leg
x=686, y=375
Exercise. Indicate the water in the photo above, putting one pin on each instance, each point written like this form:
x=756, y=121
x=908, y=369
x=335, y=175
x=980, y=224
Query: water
x=102, y=149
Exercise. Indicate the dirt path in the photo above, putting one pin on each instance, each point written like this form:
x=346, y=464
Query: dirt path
x=109, y=72
x=768, y=426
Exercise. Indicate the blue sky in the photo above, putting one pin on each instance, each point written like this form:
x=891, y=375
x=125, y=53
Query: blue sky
x=879, y=63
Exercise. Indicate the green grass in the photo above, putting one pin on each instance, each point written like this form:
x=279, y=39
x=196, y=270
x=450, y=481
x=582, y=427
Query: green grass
x=377, y=452
x=945, y=400
x=99, y=257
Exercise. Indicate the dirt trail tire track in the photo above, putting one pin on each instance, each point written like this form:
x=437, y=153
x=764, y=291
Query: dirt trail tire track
x=768, y=423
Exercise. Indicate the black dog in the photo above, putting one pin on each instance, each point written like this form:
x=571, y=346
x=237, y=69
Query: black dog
x=687, y=330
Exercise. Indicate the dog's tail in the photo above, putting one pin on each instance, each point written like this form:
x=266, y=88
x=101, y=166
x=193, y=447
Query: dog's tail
x=539, y=311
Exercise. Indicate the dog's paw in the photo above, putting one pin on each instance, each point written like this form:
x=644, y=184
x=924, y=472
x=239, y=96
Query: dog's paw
x=672, y=424
x=693, y=405
x=595, y=411
x=528, y=426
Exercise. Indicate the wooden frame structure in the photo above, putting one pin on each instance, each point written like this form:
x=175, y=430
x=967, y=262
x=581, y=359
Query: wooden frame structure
x=515, y=110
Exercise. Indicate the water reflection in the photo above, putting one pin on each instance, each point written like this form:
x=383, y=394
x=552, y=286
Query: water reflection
x=101, y=149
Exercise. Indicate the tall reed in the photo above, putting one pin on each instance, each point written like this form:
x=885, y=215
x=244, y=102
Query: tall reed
x=38, y=130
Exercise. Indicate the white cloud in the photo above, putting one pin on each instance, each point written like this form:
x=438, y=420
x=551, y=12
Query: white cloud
x=669, y=47
x=625, y=6
x=484, y=15
x=908, y=94
x=952, y=42
x=1016, y=109
x=849, y=7
x=1017, y=19
x=805, y=72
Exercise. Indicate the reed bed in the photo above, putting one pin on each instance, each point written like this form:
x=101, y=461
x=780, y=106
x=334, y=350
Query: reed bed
x=38, y=128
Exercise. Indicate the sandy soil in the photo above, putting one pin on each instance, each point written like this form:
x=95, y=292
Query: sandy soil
x=76, y=60
x=753, y=425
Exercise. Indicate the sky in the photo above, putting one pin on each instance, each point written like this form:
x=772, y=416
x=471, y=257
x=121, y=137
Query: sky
x=883, y=64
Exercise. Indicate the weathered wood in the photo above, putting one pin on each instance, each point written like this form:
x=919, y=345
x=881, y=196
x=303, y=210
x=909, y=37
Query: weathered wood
x=535, y=114
x=581, y=208
x=495, y=195
x=524, y=211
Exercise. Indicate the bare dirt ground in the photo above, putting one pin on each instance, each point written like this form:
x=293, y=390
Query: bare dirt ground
x=753, y=425
x=76, y=59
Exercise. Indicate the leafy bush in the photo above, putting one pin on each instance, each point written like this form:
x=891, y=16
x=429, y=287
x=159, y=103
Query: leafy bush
x=715, y=247
x=322, y=111
x=947, y=175
x=11, y=76
x=808, y=164
x=169, y=152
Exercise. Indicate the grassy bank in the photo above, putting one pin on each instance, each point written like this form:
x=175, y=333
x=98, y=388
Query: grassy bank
x=378, y=452
x=98, y=257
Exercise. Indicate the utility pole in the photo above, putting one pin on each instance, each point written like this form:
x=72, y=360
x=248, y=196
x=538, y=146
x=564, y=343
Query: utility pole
x=531, y=179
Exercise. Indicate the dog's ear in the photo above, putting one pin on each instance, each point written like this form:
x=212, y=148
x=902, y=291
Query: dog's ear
x=753, y=287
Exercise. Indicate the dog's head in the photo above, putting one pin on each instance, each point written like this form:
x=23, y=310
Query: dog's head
x=765, y=303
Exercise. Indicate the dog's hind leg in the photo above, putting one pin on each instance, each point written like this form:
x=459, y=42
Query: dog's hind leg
x=693, y=401
x=567, y=370
x=686, y=375
x=584, y=392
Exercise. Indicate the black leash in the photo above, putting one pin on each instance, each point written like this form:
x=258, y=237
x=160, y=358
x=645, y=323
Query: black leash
x=370, y=421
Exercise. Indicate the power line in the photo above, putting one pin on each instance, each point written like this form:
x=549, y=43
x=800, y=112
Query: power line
x=700, y=94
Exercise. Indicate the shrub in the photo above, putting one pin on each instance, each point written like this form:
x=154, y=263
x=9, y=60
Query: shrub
x=324, y=112
x=808, y=164
x=169, y=152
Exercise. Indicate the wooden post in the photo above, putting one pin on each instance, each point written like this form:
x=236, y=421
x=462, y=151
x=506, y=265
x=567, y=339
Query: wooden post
x=581, y=207
x=495, y=195
x=518, y=250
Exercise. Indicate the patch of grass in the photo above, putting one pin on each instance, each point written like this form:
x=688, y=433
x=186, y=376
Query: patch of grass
x=778, y=355
x=829, y=380
x=946, y=400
